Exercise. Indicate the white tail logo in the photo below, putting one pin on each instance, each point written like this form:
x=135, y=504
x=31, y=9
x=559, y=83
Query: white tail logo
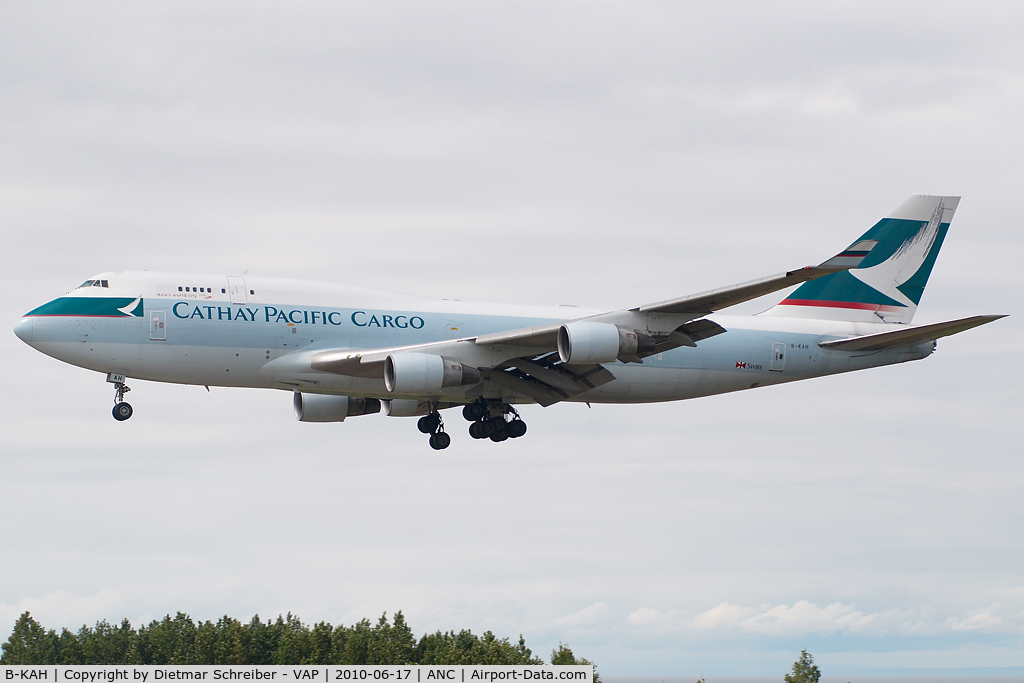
x=888, y=275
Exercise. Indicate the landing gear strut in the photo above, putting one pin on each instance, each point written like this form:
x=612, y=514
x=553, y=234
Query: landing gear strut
x=432, y=424
x=489, y=421
x=122, y=410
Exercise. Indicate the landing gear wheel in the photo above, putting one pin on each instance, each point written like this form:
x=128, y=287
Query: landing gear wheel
x=500, y=432
x=474, y=431
x=440, y=441
x=487, y=428
x=474, y=411
x=516, y=428
x=429, y=423
x=122, y=411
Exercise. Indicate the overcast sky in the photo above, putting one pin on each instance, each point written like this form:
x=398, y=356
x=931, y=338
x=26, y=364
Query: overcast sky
x=600, y=154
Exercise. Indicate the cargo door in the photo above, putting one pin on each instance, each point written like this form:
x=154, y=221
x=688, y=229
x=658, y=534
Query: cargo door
x=236, y=289
x=158, y=325
x=778, y=357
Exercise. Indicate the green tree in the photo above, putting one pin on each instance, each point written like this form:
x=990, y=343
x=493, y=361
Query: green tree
x=100, y=645
x=391, y=643
x=464, y=647
x=30, y=643
x=804, y=670
x=69, y=648
x=180, y=640
x=169, y=641
x=321, y=643
x=563, y=656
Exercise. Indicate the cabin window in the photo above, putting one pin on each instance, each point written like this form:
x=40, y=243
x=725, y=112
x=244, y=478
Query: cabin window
x=223, y=291
x=251, y=292
x=179, y=289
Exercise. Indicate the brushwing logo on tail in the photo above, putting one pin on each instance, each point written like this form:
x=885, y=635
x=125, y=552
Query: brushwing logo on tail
x=889, y=275
x=899, y=252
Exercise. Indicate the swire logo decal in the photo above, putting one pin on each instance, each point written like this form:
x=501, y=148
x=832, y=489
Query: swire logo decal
x=741, y=365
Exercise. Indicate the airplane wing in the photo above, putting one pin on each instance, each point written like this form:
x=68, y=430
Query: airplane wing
x=528, y=360
x=911, y=335
x=692, y=306
x=705, y=303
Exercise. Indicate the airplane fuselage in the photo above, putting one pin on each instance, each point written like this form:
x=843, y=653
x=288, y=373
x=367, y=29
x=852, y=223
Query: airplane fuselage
x=217, y=330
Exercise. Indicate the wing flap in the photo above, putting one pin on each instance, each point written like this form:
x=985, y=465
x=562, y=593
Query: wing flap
x=548, y=385
x=912, y=335
x=538, y=391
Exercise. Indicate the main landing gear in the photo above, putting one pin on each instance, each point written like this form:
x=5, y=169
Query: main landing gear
x=432, y=424
x=489, y=421
x=122, y=410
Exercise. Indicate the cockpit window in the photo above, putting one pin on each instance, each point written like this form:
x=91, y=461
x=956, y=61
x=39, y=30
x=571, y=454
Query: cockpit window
x=87, y=283
x=94, y=283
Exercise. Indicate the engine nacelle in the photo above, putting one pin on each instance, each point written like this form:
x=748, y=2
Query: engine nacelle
x=582, y=343
x=404, y=407
x=425, y=374
x=326, y=408
x=411, y=407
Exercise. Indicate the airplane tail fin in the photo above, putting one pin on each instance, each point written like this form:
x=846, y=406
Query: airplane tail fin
x=887, y=285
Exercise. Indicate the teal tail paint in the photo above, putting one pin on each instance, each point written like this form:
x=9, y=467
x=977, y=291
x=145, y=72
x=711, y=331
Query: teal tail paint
x=887, y=285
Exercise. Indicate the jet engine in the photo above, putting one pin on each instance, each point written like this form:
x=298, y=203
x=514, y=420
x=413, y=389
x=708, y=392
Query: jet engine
x=582, y=343
x=326, y=408
x=404, y=407
x=423, y=373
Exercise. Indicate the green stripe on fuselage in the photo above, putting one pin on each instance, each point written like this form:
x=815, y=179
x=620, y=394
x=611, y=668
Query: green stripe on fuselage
x=108, y=307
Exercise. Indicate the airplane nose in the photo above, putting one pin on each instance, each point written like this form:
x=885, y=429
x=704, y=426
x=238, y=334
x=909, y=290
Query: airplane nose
x=24, y=329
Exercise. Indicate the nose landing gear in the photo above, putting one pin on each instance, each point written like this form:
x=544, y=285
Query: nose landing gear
x=122, y=410
x=432, y=424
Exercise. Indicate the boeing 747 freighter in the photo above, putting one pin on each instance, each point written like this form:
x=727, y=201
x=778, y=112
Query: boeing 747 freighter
x=345, y=351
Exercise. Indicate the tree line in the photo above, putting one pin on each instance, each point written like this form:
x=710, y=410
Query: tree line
x=180, y=640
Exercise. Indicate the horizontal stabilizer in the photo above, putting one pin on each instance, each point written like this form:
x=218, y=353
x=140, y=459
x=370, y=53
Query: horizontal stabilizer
x=910, y=335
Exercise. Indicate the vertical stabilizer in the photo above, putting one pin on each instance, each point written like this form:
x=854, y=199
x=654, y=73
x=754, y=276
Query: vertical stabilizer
x=888, y=284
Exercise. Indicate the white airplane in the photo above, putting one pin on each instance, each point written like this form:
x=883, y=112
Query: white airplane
x=345, y=351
